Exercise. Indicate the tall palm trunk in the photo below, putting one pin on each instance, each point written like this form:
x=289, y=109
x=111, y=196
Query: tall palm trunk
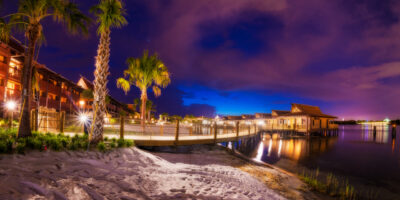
x=143, y=109
x=24, y=129
x=100, y=86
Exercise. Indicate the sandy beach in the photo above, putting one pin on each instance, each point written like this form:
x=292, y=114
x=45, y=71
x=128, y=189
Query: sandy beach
x=207, y=172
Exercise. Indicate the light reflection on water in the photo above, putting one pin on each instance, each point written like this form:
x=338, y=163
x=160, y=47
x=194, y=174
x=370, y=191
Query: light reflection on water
x=356, y=152
x=273, y=147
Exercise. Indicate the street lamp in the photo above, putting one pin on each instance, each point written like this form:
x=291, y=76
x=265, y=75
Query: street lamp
x=83, y=119
x=82, y=103
x=10, y=106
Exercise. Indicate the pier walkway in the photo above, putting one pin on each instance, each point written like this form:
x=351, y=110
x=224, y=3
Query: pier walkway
x=200, y=132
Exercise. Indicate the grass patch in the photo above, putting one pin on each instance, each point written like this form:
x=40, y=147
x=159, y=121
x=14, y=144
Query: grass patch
x=9, y=143
x=335, y=187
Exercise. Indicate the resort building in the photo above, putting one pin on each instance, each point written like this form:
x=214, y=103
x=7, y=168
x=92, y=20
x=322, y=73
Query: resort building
x=56, y=93
x=301, y=118
x=114, y=107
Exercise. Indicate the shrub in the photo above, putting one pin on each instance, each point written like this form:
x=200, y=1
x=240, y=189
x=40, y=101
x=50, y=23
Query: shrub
x=121, y=142
x=73, y=146
x=113, y=145
x=64, y=142
x=10, y=143
x=106, y=138
x=101, y=147
x=84, y=144
x=3, y=147
x=20, y=148
x=129, y=143
x=37, y=144
x=54, y=144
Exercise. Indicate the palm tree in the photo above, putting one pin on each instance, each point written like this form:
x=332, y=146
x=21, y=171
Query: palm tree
x=147, y=71
x=29, y=18
x=110, y=14
x=136, y=102
x=150, y=107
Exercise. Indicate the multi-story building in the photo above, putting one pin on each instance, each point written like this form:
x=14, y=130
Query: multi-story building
x=114, y=107
x=57, y=93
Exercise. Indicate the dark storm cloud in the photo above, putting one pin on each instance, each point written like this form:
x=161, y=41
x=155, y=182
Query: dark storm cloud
x=344, y=54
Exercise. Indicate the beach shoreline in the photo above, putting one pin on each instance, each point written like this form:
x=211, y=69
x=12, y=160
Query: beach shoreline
x=207, y=172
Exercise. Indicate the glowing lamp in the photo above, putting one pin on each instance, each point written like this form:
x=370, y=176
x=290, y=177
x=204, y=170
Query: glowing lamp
x=260, y=122
x=81, y=103
x=83, y=118
x=11, y=105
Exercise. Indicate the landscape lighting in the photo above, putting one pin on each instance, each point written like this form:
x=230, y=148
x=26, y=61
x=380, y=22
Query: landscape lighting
x=11, y=105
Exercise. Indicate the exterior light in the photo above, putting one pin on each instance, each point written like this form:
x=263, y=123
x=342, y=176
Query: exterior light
x=11, y=105
x=83, y=118
x=260, y=122
x=81, y=103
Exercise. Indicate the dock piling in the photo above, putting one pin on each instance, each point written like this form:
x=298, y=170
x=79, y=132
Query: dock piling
x=177, y=132
x=394, y=131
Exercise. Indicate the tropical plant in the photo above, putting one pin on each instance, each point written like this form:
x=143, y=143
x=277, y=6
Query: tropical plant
x=150, y=107
x=87, y=94
x=109, y=14
x=136, y=102
x=28, y=19
x=147, y=71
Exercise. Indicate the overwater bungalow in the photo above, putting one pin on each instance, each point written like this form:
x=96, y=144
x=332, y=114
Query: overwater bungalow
x=301, y=118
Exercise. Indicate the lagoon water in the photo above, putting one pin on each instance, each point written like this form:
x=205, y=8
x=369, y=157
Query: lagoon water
x=371, y=164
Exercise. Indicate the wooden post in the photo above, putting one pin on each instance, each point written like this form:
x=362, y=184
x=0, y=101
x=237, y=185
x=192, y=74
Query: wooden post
x=191, y=130
x=255, y=128
x=36, y=121
x=177, y=132
x=215, y=132
x=237, y=130
x=33, y=119
x=62, y=121
x=121, y=127
x=162, y=129
x=224, y=131
x=10, y=119
x=394, y=131
x=249, y=127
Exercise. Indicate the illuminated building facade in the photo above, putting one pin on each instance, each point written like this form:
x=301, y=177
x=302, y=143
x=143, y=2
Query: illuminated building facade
x=56, y=93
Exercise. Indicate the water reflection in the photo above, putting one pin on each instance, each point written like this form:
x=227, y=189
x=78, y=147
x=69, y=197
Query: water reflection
x=272, y=148
x=358, y=153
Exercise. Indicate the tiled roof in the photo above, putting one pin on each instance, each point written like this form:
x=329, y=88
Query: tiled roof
x=309, y=110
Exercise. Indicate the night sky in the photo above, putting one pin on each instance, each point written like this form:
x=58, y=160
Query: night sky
x=246, y=56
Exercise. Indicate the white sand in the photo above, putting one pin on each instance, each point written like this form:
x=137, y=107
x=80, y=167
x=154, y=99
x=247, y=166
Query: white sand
x=128, y=173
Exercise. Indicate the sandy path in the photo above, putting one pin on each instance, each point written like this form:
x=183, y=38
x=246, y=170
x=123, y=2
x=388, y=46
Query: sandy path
x=127, y=174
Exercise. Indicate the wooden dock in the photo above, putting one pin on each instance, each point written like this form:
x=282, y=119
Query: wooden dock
x=211, y=132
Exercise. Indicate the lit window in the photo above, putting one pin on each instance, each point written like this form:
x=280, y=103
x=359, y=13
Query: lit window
x=10, y=85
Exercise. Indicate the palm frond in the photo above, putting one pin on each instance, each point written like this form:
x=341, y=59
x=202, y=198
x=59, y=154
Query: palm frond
x=124, y=85
x=110, y=14
x=145, y=72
